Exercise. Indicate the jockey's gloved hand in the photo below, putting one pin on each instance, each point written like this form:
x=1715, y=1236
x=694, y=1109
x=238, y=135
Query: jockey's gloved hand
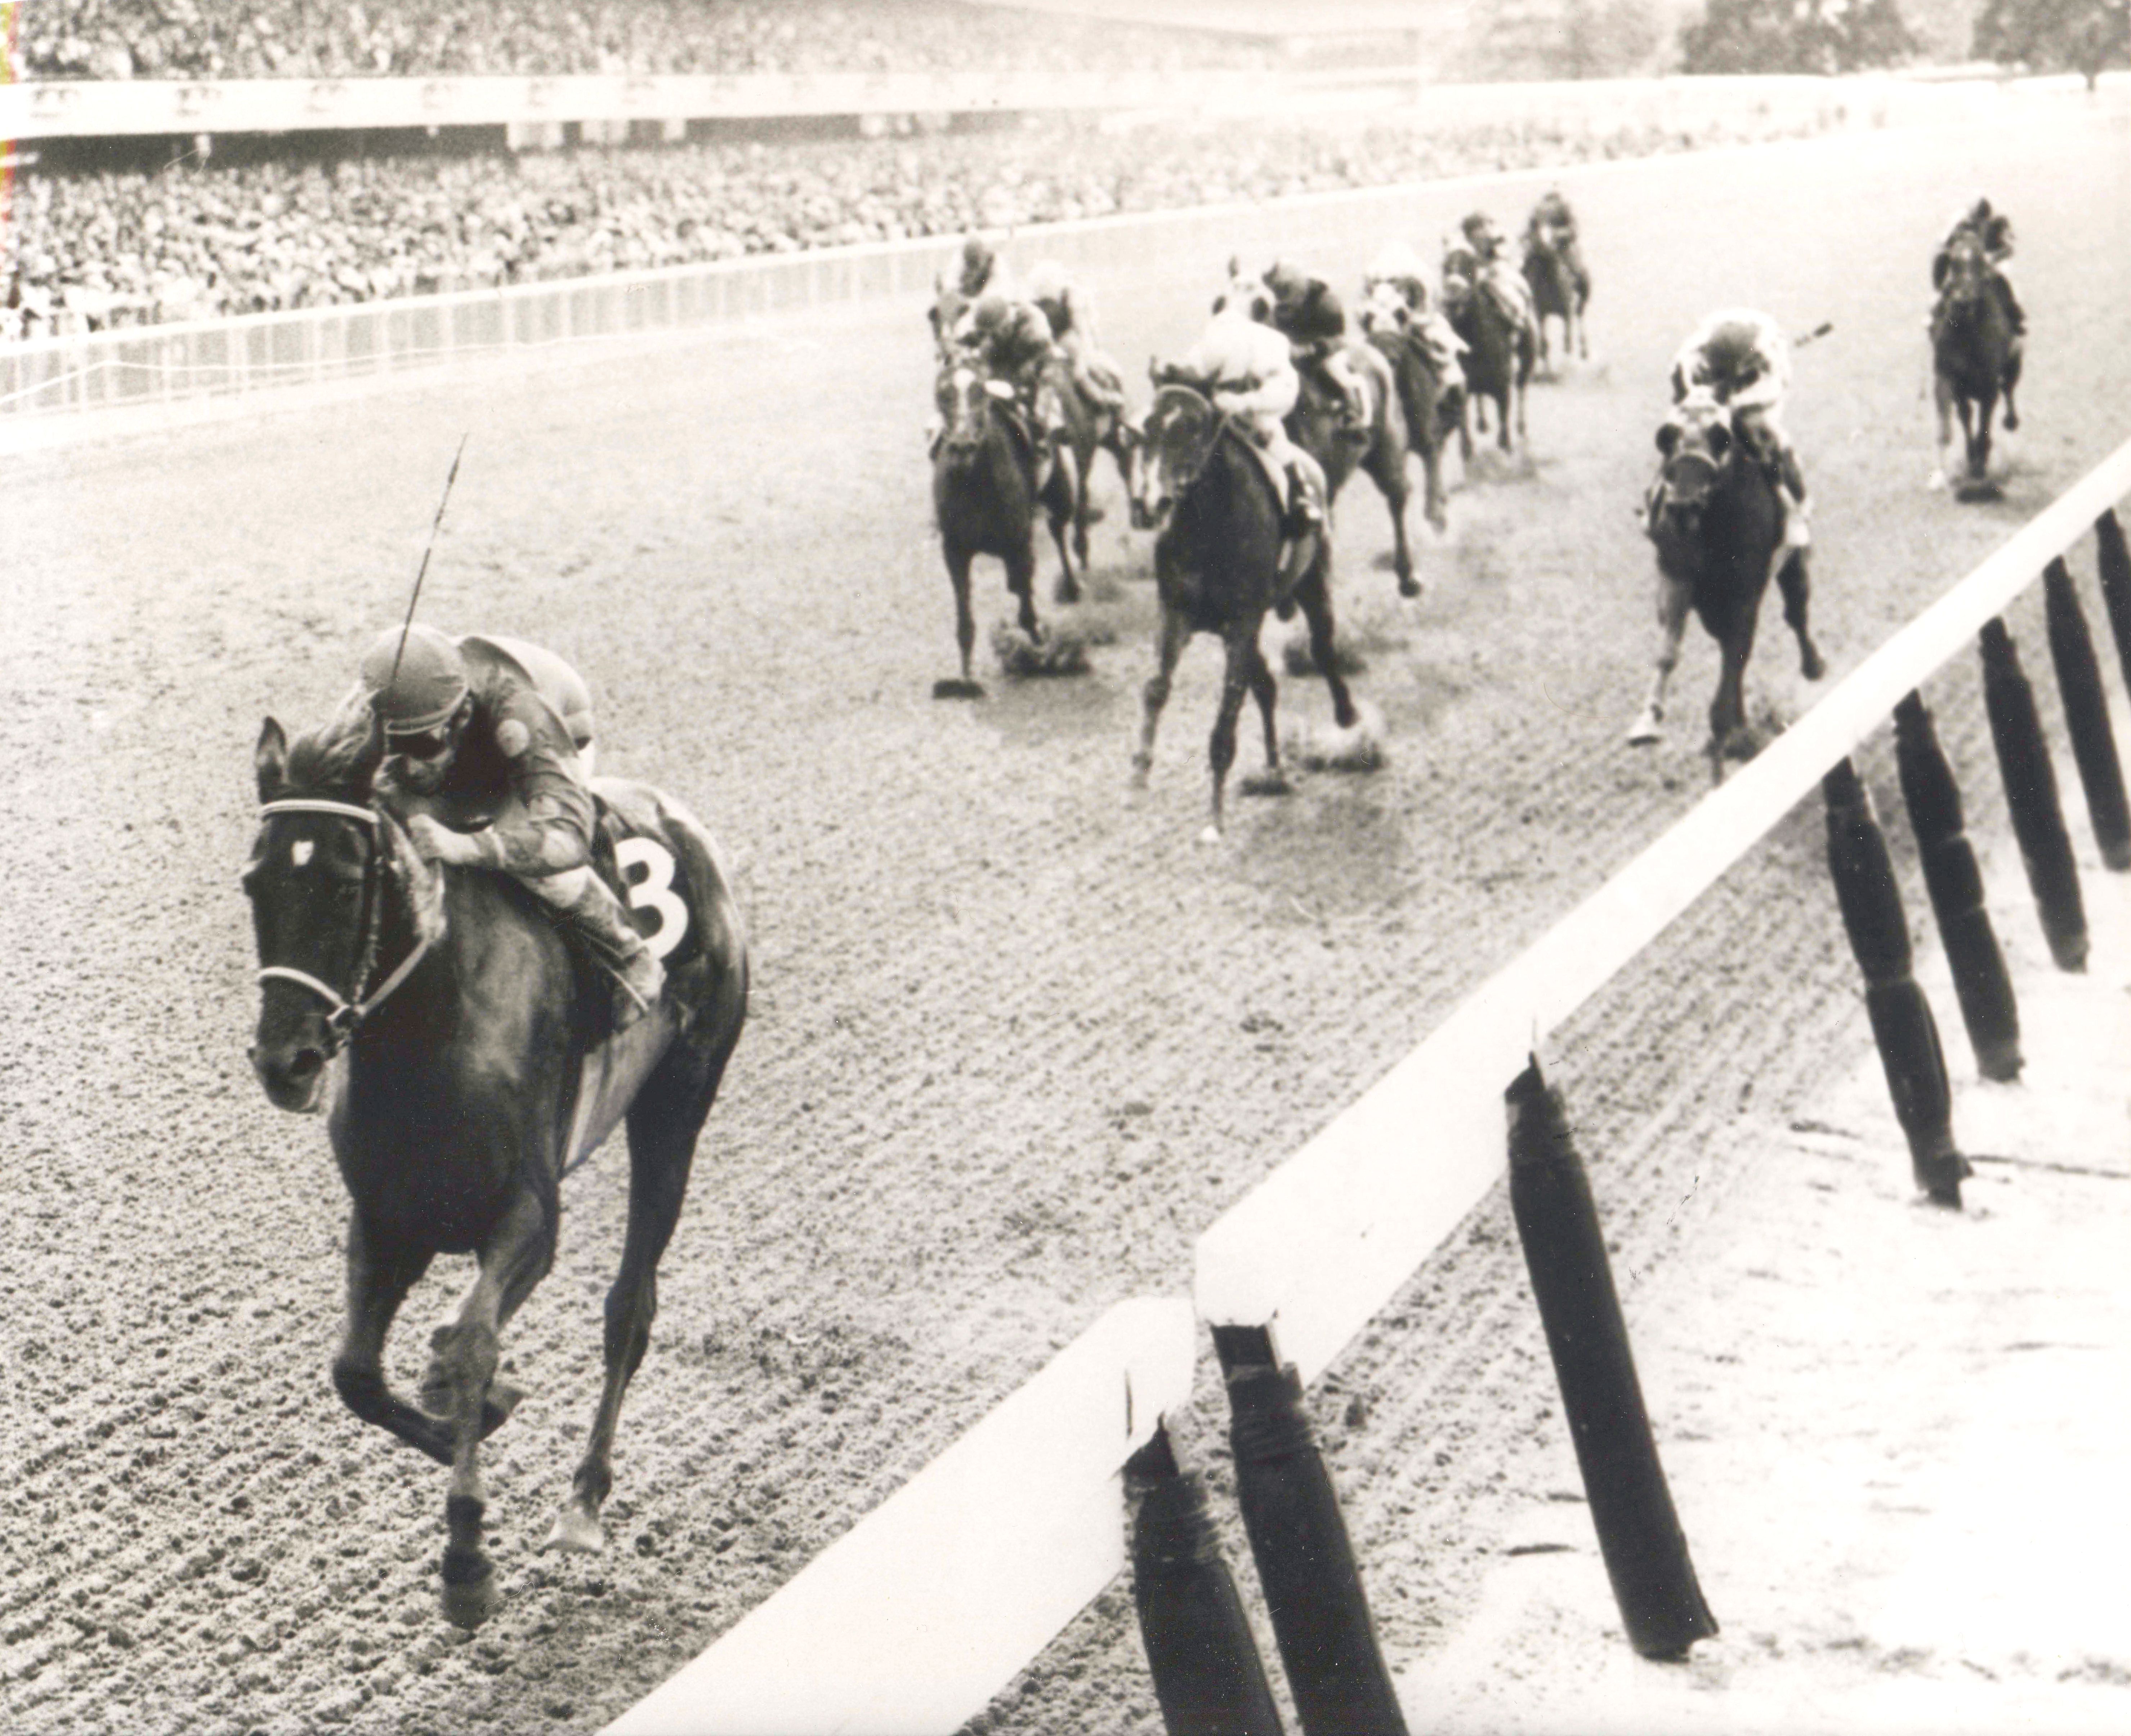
x=439, y=843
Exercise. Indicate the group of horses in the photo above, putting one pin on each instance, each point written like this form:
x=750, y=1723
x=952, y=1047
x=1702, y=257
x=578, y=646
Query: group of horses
x=1215, y=513
x=476, y=1059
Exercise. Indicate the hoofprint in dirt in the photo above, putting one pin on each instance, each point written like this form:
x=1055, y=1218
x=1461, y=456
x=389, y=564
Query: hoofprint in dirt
x=1017, y=1040
x=1895, y=1433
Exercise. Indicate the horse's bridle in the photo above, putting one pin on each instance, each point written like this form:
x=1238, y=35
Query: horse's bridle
x=345, y=1012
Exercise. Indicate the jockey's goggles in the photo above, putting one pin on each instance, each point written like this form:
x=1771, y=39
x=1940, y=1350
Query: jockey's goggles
x=425, y=744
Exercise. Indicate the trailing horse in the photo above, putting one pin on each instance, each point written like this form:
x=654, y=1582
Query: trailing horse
x=1974, y=356
x=1217, y=569
x=986, y=497
x=1091, y=427
x=1560, y=288
x=1431, y=405
x=479, y=1065
x=1498, y=351
x=1718, y=527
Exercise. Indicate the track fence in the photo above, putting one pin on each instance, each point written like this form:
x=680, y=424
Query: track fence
x=934, y=1602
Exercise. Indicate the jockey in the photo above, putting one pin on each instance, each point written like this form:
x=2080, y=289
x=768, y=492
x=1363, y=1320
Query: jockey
x=1993, y=231
x=1507, y=288
x=980, y=269
x=1397, y=269
x=1308, y=314
x=1249, y=371
x=1072, y=321
x=1741, y=358
x=1552, y=227
x=1011, y=340
x=492, y=718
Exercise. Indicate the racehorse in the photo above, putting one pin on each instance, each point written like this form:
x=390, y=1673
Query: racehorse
x=1432, y=405
x=1972, y=356
x=1091, y=427
x=1498, y=354
x=986, y=497
x=1217, y=514
x=479, y=1067
x=1318, y=423
x=1717, y=531
x=1560, y=288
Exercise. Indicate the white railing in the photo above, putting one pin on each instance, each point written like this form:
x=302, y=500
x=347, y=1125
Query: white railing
x=866, y=1638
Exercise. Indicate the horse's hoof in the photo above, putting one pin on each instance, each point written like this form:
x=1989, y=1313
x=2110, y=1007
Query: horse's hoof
x=469, y=1603
x=576, y=1531
x=1937, y=484
x=1271, y=782
x=1810, y=664
x=1644, y=732
x=1409, y=586
x=1211, y=834
x=952, y=689
x=2012, y=423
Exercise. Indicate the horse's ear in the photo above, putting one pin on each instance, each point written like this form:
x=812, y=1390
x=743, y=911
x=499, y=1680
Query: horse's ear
x=269, y=760
x=1668, y=437
x=1235, y=267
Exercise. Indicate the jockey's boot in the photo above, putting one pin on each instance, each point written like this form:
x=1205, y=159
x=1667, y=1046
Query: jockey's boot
x=596, y=914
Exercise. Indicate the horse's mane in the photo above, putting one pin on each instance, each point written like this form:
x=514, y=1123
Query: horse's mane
x=341, y=754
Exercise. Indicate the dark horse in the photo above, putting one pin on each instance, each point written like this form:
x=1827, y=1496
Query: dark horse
x=1091, y=427
x=478, y=1069
x=1560, y=289
x=1217, y=569
x=1718, y=532
x=1319, y=425
x=1973, y=357
x=984, y=496
x=1432, y=405
x=1498, y=354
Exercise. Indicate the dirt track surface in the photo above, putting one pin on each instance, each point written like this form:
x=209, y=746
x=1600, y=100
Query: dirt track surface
x=1018, y=1037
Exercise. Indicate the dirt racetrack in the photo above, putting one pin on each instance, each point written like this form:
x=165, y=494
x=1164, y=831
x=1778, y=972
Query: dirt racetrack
x=1018, y=1037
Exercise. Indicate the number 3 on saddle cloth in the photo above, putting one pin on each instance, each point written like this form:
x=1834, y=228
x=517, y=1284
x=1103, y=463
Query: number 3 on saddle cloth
x=656, y=857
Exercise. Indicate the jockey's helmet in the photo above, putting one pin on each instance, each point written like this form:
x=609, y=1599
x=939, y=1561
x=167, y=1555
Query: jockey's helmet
x=1287, y=281
x=1396, y=262
x=1046, y=281
x=418, y=689
x=978, y=260
x=988, y=315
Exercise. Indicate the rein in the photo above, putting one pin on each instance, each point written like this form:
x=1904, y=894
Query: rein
x=346, y=1014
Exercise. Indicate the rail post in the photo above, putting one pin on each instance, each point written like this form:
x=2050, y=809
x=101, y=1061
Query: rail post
x=1902, y=1023
x=1981, y=981
x=1208, y=1676
x=1661, y=1603
x=2086, y=715
x=2031, y=796
x=1305, y=1561
x=2114, y=562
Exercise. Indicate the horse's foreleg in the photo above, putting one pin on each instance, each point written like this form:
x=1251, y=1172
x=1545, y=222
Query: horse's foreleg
x=378, y=1280
x=1169, y=646
x=966, y=619
x=1021, y=582
x=1083, y=462
x=1066, y=506
x=1727, y=709
x=662, y=1125
x=1221, y=746
x=1313, y=596
x=1978, y=437
x=1793, y=581
x=1673, y=600
x=514, y=1259
x=1387, y=470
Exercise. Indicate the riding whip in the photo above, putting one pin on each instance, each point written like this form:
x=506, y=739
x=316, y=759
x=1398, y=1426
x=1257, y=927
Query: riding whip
x=423, y=572
x=1822, y=330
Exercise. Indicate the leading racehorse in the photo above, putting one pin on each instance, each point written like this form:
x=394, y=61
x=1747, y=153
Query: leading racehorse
x=1973, y=357
x=1718, y=524
x=1217, y=569
x=1560, y=288
x=985, y=495
x=478, y=1067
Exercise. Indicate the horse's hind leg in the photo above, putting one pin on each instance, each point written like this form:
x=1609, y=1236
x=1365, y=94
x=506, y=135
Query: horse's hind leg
x=1387, y=470
x=1065, y=503
x=1242, y=649
x=1021, y=582
x=1265, y=691
x=1793, y=580
x=663, y=1123
x=514, y=1259
x=378, y=1280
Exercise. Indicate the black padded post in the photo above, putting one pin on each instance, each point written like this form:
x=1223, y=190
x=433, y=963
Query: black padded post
x=2031, y=796
x=1981, y=981
x=2086, y=716
x=1661, y=1603
x=1902, y=1023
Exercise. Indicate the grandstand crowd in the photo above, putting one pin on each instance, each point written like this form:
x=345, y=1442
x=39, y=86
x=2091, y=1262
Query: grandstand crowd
x=194, y=241
x=340, y=39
